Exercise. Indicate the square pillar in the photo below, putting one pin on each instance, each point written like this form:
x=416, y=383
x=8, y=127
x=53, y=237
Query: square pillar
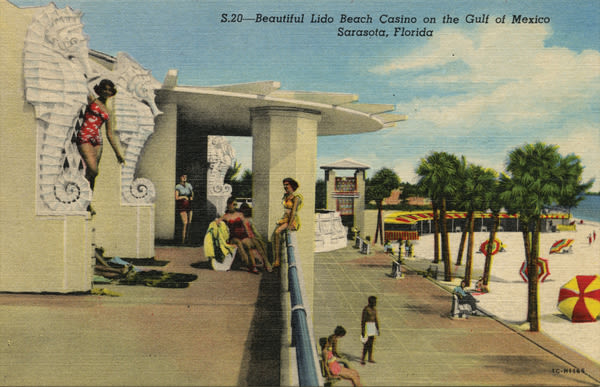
x=330, y=190
x=38, y=253
x=359, y=202
x=122, y=229
x=284, y=144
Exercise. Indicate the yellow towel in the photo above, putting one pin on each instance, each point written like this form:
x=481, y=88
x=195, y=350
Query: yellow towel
x=217, y=235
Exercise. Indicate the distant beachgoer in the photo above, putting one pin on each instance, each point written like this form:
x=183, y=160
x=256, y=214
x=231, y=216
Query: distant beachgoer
x=464, y=297
x=479, y=286
x=387, y=247
x=409, y=248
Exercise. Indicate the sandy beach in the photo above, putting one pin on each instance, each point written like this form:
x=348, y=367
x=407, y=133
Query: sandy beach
x=507, y=299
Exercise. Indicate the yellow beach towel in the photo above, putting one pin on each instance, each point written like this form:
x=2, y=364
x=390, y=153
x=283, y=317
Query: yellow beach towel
x=215, y=242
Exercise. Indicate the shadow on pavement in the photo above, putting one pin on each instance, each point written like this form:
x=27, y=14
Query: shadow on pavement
x=261, y=364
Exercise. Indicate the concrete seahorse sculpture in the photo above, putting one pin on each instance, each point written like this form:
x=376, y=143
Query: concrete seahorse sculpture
x=55, y=68
x=135, y=110
x=58, y=77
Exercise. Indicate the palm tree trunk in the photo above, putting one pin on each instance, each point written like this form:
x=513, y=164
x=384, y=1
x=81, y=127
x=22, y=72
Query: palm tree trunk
x=436, y=233
x=468, y=267
x=487, y=269
x=445, y=244
x=463, y=238
x=379, y=230
x=532, y=274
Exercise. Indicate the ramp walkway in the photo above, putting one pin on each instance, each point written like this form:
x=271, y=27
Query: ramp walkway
x=420, y=345
x=225, y=330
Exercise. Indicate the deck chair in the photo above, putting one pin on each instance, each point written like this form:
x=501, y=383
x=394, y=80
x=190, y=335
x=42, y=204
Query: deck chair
x=458, y=309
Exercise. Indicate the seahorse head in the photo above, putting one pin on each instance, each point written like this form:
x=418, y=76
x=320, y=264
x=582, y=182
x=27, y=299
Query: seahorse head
x=138, y=81
x=143, y=87
x=64, y=33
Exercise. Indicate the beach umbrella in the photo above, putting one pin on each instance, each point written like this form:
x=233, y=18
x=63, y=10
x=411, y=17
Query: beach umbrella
x=543, y=270
x=495, y=248
x=561, y=245
x=579, y=299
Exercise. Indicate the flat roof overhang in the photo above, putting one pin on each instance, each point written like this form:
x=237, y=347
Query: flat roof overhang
x=225, y=110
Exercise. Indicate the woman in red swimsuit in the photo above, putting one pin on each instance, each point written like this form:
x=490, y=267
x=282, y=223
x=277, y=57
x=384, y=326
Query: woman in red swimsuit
x=89, y=137
x=242, y=236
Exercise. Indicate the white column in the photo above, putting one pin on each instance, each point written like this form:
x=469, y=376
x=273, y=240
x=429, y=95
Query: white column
x=330, y=183
x=285, y=145
x=359, y=203
x=157, y=163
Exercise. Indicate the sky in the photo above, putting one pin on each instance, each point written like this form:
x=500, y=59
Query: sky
x=478, y=86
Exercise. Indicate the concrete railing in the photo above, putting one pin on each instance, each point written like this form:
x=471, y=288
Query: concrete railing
x=306, y=361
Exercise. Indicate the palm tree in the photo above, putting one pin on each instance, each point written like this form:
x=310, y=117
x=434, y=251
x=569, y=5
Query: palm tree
x=461, y=203
x=572, y=188
x=479, y=182
x=232, y=172
x=538, y=176
x=379, y=187
x=439, y=180
x=494, y=204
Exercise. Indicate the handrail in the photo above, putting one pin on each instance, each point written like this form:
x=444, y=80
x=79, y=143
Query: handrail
x=301, y=333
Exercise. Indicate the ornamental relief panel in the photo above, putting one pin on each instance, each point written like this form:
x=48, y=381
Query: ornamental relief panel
x=58, y=78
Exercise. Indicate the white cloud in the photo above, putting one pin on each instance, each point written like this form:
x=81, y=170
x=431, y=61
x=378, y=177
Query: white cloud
x=447, y=48
x=525, y=80
x=583, y=140
x=510, y=88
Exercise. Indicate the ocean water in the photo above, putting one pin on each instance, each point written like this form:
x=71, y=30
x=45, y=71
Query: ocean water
x=588, y=209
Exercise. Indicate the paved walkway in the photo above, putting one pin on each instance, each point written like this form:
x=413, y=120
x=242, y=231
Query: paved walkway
x=420, y=344
x=225, y=330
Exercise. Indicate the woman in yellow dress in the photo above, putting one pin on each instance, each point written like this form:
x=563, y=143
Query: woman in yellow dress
x=292, y=202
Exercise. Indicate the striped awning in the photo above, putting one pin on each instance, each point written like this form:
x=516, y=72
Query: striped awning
x=404, y=235
x=412, y=217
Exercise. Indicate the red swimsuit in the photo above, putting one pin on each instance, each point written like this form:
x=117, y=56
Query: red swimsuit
x=237, y=229
x=93, y=120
